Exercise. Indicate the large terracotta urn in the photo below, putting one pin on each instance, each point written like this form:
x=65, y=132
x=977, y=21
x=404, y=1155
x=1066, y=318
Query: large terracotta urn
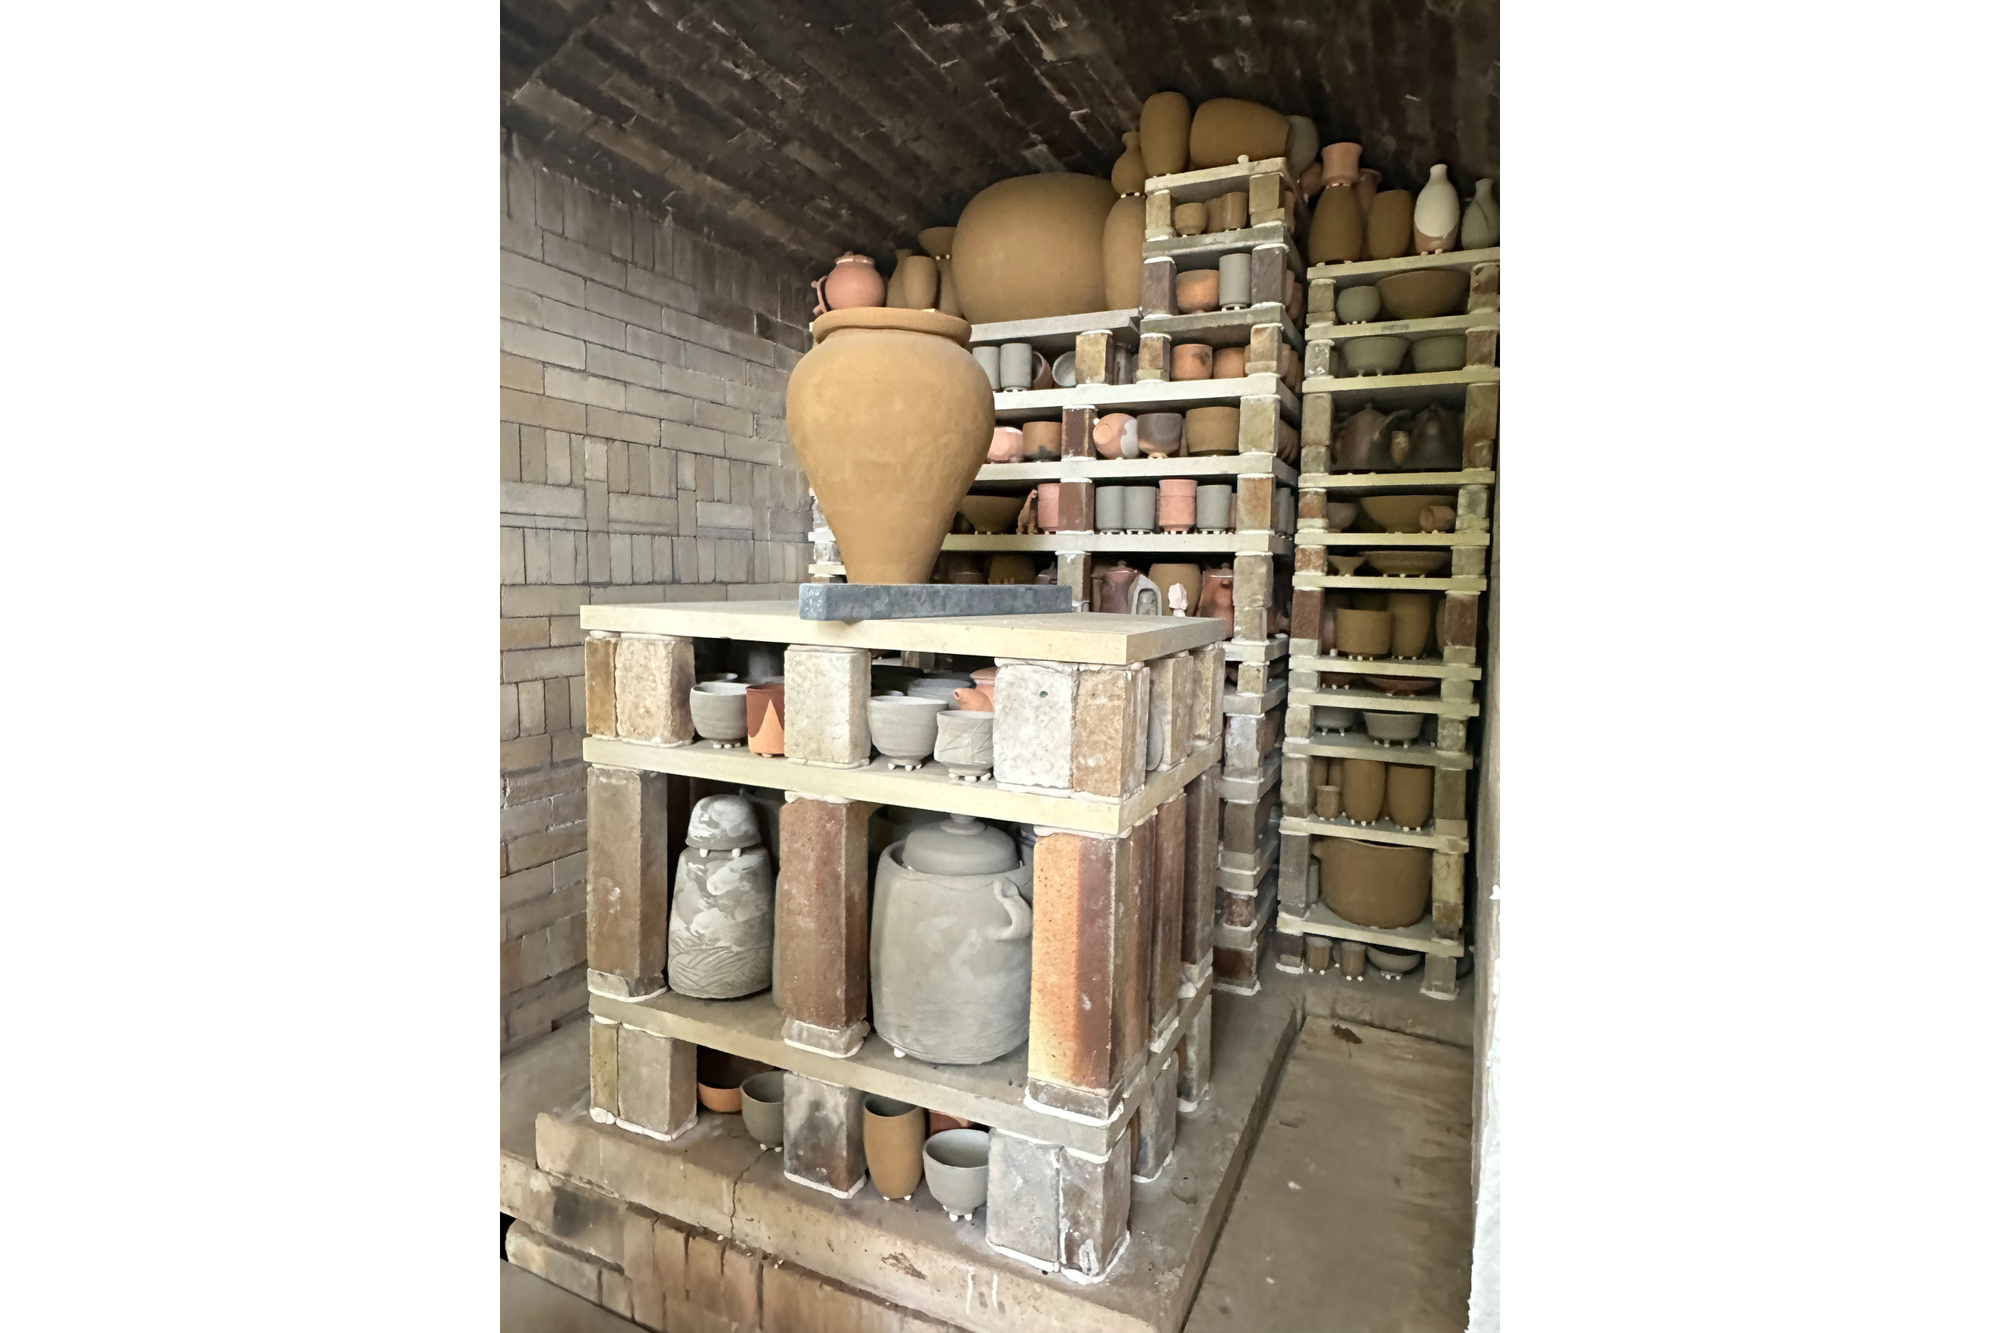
x=1031, y=247
x=1124, y=252
x=892, y=418
x=1163, y=133
x=1226, y=128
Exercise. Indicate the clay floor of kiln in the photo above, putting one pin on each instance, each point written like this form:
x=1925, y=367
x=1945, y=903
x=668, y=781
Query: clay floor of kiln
x=1354, y=1212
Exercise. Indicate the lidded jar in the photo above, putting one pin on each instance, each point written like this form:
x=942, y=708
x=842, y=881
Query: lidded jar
x=960, y=845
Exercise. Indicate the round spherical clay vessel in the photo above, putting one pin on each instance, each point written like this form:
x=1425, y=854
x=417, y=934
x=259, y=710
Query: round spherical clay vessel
x=1031, y=247
x=892, y=418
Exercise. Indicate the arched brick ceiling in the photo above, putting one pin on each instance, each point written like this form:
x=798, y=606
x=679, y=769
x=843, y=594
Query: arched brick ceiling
x=801, y=128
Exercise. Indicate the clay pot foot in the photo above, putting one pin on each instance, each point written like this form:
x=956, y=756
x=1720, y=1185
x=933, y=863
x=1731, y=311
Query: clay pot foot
x=984, y=775
x=731, y=745
x=912, y=764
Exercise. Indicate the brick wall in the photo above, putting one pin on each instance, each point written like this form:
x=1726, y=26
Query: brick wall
x=642, y=458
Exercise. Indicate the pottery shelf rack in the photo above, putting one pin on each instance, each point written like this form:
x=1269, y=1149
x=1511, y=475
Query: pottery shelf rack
x=1108, y=733
x=1327, y=686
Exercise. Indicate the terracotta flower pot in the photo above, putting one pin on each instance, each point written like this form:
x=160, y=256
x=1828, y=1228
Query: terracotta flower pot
x=1168, y=576
x=1340, y=163
x=1389, y=225
x=1006, y=446
x=892, y=1138
x=1363, y=784
x=766, y=707
x=1041, y=441
x=1408, y=795
x=1193, y=361
x=1213, y=430
x=1032, y=247
x=1177, y=511
x=1198, y=290
x=1123, y=244
x=1048, y=505
x=1227, y=128
x=1229, y=362
x=1373, y=884
x=1190, y=219
x=1410, y=617
x=892, y=419
x=1164, y=122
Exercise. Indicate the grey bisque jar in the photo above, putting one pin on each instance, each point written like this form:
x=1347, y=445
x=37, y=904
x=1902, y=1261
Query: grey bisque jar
x=949, y=953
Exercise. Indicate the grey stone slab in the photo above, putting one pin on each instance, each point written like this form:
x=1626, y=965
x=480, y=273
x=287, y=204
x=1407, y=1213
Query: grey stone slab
x=915, y=601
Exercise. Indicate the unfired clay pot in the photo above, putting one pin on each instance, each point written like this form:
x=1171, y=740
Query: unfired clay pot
x=1443, y=351
x=723, y=922
x=764, y=1107
x=1388, y=227
x=1128, y=173
x=965, y=742
x=1006, y=446
x=1338, y=233
x=1361, y=443
x=1031, y=247
x=1340, y=164
x=764, y=706
x=1163, y=133
x=990, y=513
x=1301, y=144
x=1193, y=361
x=1218, y=598
x=1230, y=361
x=1363, y=783
x=892, y=1138
x=1010, y=567
x=955, y=1169
x=720, y=712
x=1479, y=223
x=1048, y=505
x=1373, y=884
x=1366, y=189
x=1410, y=617
x=1424, y=293
x=1116, y=435
x=1363, y=633
x=947, y=302
x=1041, y=441
x=1394, y=728
x=1227, y=212
x=1177, y=513
x=1436, y=442
x=1169, y=576
x=892, y=419
x=1434, y=217
x=1407, y=794
x=1213, y=430
x=1404, y=513
x=1381, y=354
x=1357, y=304
x=1115, y=589
x=904, y=727
x=914, y=284
x=1198, y=291
x=949, y=948
x=1161, y=434
x=1123, y=246
x=1227, y=128
x=852, y=283
x=1190, y=219
x=936, y=241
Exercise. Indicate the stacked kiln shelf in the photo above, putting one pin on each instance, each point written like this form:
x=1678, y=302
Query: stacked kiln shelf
x=1125, y=877
x=1474, y=390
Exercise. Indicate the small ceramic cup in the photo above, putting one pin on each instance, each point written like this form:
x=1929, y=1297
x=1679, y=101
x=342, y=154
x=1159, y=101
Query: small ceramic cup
x=988, y=358
x=721, y=711
x=1177, y=506
x=1140, y=505
x=1160, y=434
x=892, y=1139
x=1359, y=304
x=1110, y=508
x=1198, y=290
x=764, y=1107
x=1235, y=288
x=1041, y=441
x=1017, y=365
x=955, y=1170
x=1211, y=507
x=1048, y=505
x=1193, y=361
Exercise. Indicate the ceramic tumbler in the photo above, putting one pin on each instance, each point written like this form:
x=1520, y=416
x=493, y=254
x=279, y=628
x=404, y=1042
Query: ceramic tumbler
x=1177, y=506
x=1193, y=361
x=892, y=1139
x=989, y=361
x=1410, y=618
x=1211, y=507
x=1041, y=441
x=1230, y=361
x=764, y=1108
x=1235, y=270
x=1363, y=785
x=1409, y=795
x=1160, y=434
x=1362, y=633
x=1017, y=365
x=1197, y=291
x=1048, y=505
x=1140, y=505
x=1110, y=508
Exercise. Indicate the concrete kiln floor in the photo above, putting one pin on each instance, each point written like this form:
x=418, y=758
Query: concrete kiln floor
x=529, y=1304
x=1355, y=1212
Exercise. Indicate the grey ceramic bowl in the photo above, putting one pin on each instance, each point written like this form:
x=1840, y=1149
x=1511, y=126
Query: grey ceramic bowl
x=1444, y=351
x=1358, y=304
x=764, y=1107
x=1394, y=726
x=955, y=1169
x=1333, y=719
x=1401, y=960
x=721, y=711
x=905, y=728
x=937, y=687
x=1340, y=515
x=1380, y=355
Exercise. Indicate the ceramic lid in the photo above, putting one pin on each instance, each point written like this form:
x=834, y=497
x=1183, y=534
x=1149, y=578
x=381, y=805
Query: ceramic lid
x=960, y=846
x=722, y=823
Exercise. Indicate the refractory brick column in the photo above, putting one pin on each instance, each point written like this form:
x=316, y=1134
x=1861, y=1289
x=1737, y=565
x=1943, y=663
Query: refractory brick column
x=1199, y=873
x=822, y=930
x=1088, y=1006
x=630, y=871
x=823, y=1135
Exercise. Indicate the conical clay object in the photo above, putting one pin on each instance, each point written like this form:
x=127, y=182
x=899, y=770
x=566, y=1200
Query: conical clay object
x=1389, y=225
x=891, y=418
x=1124, y=252
x=1434, y=218
x=1163, y=133
x=1128, y=173
x=1338, y=234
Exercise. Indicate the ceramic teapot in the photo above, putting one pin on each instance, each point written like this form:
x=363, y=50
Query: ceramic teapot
x=949, y=952
x=1361, y=443
x=1433, y=443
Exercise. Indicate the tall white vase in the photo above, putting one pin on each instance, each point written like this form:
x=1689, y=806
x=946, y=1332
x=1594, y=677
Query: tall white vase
x=1479, y=225
x=1436, y=217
